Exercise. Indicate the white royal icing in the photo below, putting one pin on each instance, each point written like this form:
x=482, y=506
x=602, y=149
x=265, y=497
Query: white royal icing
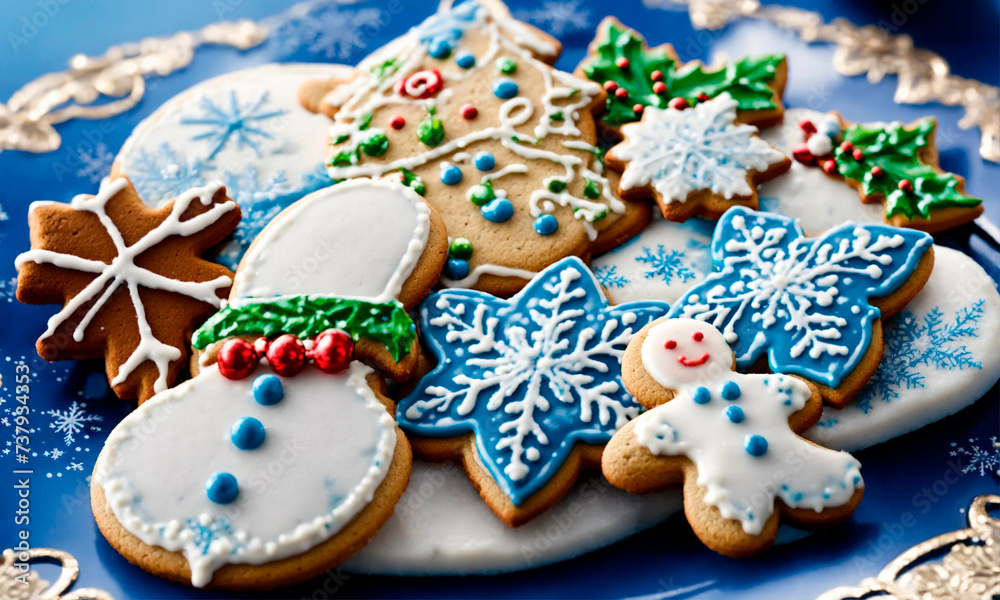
x=487, y=269
x=678, y=152
x=123, y=271
x=329, y=443
x=741, y=485
x=358, y=239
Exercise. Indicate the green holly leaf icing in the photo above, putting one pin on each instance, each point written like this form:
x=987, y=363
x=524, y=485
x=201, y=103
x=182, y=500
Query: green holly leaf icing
x=308, y=316
x=747, y=79
x=896, y=150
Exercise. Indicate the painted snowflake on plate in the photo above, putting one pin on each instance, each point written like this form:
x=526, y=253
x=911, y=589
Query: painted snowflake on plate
x=72, y=421
x=244, y=121
x=682, y=151
x=805, y=302
x=95, y=165
x=531, y=376
x=163, y=175
x=557, y=16
x=913, y=345
x=609, y=277
x=331, y=30
x=979, y=458
x=664, y=264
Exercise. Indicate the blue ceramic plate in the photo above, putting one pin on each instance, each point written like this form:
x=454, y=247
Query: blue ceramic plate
x=918, y=486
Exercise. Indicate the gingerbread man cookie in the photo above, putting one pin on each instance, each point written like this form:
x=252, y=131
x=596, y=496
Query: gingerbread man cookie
x=131, y=279
x=730, y=440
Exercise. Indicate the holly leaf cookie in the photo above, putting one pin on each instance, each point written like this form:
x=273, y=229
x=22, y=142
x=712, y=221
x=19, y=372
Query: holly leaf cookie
x=696, y=161
x=892, y=164
x=811, y=307
x=131, y=279
x=526, y=390
x=637, y=77
x=501, y=144
x=729, y=440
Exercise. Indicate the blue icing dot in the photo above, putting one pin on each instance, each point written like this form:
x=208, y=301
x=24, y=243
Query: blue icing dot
x=440, y=48
x=465, y=60
x=735, y=414
x=457, y=268
x=247, y=433
x=755, y=444
x=731, y=390
x=702, y=395
x=222, y=487
x=504, y=88
x=267, y=390
x=484, y=161
x=450, y=174
x=798, y=496
x=546, y=225
x=498, y=210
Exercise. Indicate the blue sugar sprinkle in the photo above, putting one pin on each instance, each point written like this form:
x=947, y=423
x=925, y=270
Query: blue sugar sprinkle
x=267, y=390
x=504, y=88
x=755, y=445
x=546, y=225
x=735, y=414
x=702, y=395
x=731, y=390
x=498, y=210
x=247, y=433
x=450, y=174
x=222, y=487
x=457, y=268
x=465, y=60
x=484, y=161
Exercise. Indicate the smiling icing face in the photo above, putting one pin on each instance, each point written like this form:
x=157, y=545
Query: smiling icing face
x=680, y=352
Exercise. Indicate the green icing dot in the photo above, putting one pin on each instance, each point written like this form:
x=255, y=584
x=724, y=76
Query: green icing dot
x=409, y=178
x=480, y=194
x=430, y=131
x=557, y=185
x=506, y=65
x=375, y=145
x=461, y=248
x=592, y=190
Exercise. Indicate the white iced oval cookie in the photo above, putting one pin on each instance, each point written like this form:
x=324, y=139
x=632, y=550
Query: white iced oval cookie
x=819, y=201
x=332, y=437
x=940, y=356
x=245, y=128
x=359, y=239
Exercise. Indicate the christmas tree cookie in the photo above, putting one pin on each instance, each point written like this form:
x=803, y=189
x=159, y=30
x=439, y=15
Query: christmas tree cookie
x=637, y=77
x=729, y=440
x=465, y=111
x=892, y=164
x=695, y=161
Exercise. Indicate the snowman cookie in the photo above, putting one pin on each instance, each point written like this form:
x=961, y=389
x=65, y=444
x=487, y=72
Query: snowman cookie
x=729, y=440
x=356, y=257
x=466, y=109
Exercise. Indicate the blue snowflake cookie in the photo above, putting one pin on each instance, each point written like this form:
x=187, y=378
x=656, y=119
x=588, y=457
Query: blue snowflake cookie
x=530, y=377
x=803, y=302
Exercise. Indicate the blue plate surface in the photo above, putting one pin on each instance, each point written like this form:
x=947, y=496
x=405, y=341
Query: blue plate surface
x=918, y=486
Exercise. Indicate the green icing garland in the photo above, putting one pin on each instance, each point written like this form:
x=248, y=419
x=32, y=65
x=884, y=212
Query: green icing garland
x=747, y=79
x=890, y=159
x=308, y=316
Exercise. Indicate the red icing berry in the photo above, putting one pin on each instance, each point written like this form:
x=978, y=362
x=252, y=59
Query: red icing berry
x=286, y=356
x=906, y=185
x=802, y=154
x=656, y=75
x=237, y=359
x=397, y=122
x=858, y=154
x=621, y=62
x=697, y=336
x=469, y=112
x=830, y=166
x=670, y=344
x=422, y=84
x=637, y=109
x=610, y=86
x=877, y=171
x=846, y=147
x=807, y=126
x=678, y=104
x=703, y=97
x=333, y=351
x=659, y=87
x=621, y=93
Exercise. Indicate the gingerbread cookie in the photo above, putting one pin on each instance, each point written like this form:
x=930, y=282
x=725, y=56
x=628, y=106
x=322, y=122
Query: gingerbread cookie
x=729, y=440
x=892, y=164
x=499, y=142
x=245, y=128
x=696, y=161
x=131, y=279
x=812, y=306
x=247, y=480
x=357, y=257
x=637, y=77
x=526, y=390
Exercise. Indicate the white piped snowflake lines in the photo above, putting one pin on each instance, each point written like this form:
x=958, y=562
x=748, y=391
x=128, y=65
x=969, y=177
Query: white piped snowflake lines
x=694, y=161
x=130, y=278
x=529, y=378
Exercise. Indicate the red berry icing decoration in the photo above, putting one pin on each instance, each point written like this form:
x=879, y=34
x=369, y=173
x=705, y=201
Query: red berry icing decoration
x=610, y=86
x=678, y=104
x=422, y=84
x=637, y=109
x=621, y=93
x=847, y=147
x=332, y=351
x=286, y=356
x=236, y=359
x=621, y=62
x=858, y=154
x=802, y=154
x=807, y=126
x=656, y=75
x=703, y=97
x=397, y=122
x=830, y=167
x=659, y=87
x=469, y=112
x=877, y=171
x=906, y=185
